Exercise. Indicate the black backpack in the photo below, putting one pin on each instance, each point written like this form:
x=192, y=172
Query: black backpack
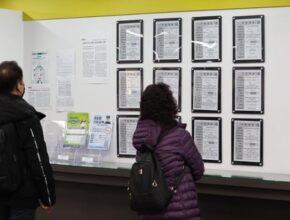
x=148, y=189
x=10, y=165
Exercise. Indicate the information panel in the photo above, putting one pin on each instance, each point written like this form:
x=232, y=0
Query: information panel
x=130, y=41
x=247, y=142
x=207, y=135
x=167, y=40
x=126, y=126
x=248, y=90
x=129, y=88
x=206, y=90
x=206, y=39
x=248, y=39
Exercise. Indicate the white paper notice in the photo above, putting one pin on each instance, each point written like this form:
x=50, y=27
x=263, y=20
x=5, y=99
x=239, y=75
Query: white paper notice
x=39, y=68
x=129, y=89
x=39, y=96
x=247, y=141
x=130, y=39
x=95, y=60
x=248, y=90
x=126, y=129
x=205, y=90
x=206, y=39
x=64, y=98
x=167, y=40
x=248, y=38
x=65, y=63
x=206, y=137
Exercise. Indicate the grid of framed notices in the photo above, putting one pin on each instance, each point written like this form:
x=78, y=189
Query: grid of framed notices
x=206, y=90
x=207, y=135
x=167, y=40
x=206, y=47
x=130, y=41
x=248, y=39
x=247, y=142
x=171, y=77
x=248, y=90
x=126, y=125
x=129, y=88
x=207, y=39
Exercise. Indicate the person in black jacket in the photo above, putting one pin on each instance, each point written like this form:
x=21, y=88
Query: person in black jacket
x=38, y=188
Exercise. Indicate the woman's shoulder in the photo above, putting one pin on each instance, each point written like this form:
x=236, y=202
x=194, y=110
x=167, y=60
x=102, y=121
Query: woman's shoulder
x=181, y=131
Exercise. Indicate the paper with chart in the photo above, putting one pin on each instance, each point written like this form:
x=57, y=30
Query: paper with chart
x=39, y=67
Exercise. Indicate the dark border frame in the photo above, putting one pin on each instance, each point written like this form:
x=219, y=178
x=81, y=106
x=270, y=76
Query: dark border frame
x=261, y=142
x=219, y=119
x=262, y=39
x=219, y=89
x=193, y=44
x=179, y=104
x=118, y=92
x=141, y=42
x=155, y=60
x=262, y=90
x=118, y=129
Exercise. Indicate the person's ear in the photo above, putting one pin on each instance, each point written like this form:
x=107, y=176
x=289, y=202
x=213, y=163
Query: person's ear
x=18, y=86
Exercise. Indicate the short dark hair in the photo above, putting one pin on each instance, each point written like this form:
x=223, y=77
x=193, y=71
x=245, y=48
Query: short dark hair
x=10, y=74
x=158, y=104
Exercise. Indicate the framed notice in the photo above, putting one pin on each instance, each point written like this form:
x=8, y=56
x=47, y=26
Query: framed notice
x=167, y=40
x=248, y=90
x=130, y=41
x=207, y=39
x=207, y=136
x=248, y=39
x=126, y=125
x=206, y=90
x=171, y=77
x=129, y=88
x=247, y=142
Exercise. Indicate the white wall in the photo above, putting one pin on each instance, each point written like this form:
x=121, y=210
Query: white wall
x=51, y=35
x=11, y=35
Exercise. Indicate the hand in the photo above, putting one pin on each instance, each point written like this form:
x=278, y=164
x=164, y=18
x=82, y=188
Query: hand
x=47, y=209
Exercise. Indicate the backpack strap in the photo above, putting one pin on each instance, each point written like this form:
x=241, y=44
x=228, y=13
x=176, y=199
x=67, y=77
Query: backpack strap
x=177, y=180
x=163, y=133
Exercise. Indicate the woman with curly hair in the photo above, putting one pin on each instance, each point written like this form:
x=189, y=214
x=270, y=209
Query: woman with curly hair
x=175, y=151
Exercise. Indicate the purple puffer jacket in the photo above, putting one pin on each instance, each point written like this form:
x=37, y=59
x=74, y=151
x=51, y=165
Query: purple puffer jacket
x=175, y=149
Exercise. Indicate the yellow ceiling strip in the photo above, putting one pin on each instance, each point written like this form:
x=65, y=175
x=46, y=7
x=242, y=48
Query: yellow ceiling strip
x=54, y=9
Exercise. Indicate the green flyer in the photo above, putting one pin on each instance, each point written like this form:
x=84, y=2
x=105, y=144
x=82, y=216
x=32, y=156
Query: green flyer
x=77, y=126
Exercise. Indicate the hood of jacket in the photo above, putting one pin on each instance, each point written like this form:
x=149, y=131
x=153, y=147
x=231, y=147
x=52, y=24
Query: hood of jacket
x=14, y=108
x=147, y=132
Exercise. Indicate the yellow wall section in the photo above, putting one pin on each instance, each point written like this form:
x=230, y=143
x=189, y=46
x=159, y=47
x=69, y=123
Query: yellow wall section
x=52, y=9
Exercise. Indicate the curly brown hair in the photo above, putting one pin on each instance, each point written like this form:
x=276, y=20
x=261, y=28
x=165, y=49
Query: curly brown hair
x=158, y=104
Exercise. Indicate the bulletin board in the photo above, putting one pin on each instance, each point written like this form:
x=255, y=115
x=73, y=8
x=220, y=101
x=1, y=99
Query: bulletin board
x=51, y=36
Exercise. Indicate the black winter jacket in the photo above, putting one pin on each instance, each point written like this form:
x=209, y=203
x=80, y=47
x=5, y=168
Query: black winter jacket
x=38, y=184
